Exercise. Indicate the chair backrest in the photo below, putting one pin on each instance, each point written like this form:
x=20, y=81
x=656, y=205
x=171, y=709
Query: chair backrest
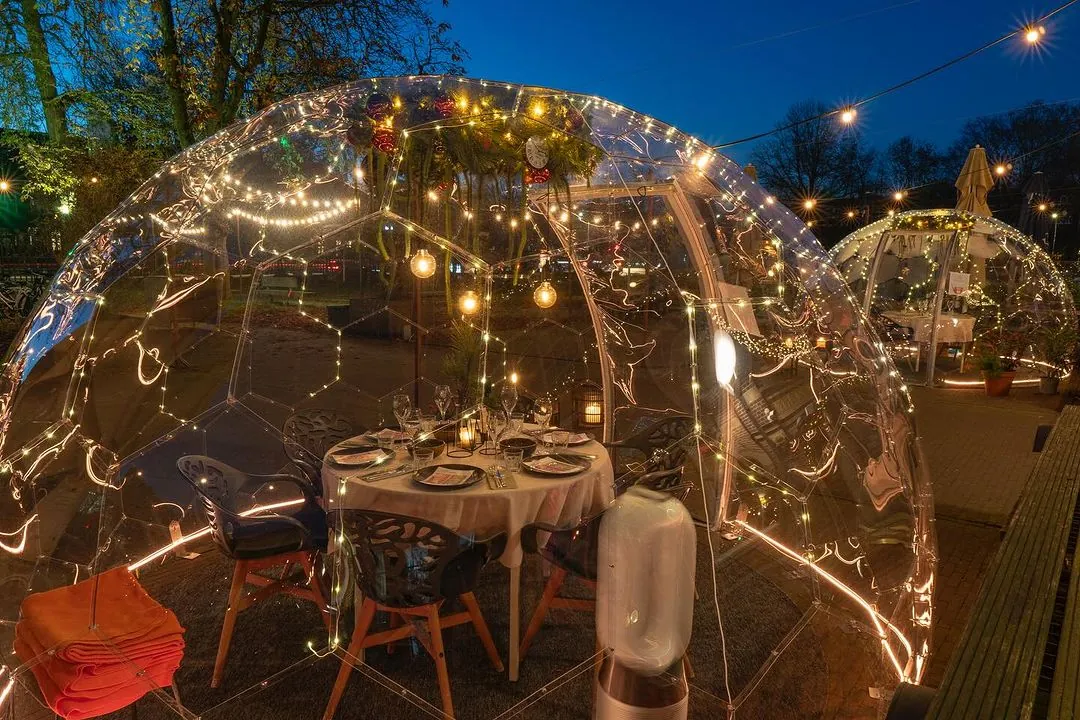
x=309, y=434
x=218, y=486
x=665, y=443
x=665, y=481
x=574, y=549
x=403, y=561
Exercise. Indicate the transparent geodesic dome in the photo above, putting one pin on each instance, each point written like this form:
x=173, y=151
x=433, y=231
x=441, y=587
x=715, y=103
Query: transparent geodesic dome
x=967, y=285
x=266, y=271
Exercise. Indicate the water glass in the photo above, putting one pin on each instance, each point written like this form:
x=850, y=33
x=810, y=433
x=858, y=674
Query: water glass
x=427, y=425
x=423, y=457
x=517, y=421
x=560, y=438
x=513, y=458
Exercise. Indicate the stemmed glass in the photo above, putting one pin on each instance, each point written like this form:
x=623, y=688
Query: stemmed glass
x=402, y=409
x=444, y=396
x=542, y=414
x=509, y=398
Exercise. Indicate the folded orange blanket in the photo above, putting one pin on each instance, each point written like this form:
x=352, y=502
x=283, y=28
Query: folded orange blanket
x=121, y=667
x=122, y=612
x=133, y=646
x=103, y=702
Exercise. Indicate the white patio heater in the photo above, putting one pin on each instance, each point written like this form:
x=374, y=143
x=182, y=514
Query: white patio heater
x=644, y=607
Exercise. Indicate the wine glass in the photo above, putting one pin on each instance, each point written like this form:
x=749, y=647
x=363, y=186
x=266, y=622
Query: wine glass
x=542, y=414
x=509, y=397
x=499, y=424
x=402, y=408
x=443, y=397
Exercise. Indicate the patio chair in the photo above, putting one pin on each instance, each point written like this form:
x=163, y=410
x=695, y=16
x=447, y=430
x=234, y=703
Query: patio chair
x=409, y=568
x=570, y=551
x=663, y=445
x=665, y=481
x=293, y=536
x=308, y=435
x=573, y=551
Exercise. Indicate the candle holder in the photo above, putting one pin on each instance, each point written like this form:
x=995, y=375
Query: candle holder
x=588, y=406
x=468, y=432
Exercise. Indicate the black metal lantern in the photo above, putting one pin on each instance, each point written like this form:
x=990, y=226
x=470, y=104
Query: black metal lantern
x=588, y=405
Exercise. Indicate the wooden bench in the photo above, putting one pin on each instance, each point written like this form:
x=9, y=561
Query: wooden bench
x=1008, y=658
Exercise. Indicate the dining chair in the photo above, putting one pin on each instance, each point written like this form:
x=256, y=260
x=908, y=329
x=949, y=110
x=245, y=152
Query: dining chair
x=662, y=445
x=894, y=335
x=308, y=435
x=666, y=481
x=290, y=535
x=571, y=551
x=409, y=567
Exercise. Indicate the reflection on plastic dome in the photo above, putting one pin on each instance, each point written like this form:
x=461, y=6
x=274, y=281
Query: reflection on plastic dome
x=217, y=393
x=970, y=286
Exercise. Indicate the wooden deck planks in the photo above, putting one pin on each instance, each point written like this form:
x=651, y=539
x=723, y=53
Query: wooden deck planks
x=994, y=671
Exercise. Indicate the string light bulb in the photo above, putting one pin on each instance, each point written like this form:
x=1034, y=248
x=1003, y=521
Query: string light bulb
x=469, y=302
x=898, y=195
x=4, y=186
x=1042, y=207
x=422, y=264
x=545, y=296
x=1034, y=34
x=847, y=115
x=1000, y=170
x=809, y=203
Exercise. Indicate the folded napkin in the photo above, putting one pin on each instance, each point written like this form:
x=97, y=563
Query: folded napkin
x=134, y=646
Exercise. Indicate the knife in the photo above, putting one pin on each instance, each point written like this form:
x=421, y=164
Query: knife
x=384, y=474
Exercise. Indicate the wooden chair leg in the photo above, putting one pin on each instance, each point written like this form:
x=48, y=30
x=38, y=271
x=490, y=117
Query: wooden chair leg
x=316, y=591
x=363, y=622
x=236, y=593
x=482, y=629
x=435, y=629
x=550, y=591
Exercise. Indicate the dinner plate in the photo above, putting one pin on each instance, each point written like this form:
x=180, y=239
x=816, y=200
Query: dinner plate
x=575, y=439
x=358, y=456
x=430, y=477
x=556, y=465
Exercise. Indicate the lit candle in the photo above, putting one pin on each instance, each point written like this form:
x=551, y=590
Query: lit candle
x=592, y=413
x=465, y=437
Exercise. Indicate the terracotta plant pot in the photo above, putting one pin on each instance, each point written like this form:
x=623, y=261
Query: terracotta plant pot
x=998, y=386
x=1048, y=385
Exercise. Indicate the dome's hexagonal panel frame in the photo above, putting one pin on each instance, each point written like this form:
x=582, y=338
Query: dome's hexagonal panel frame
x=682, y=288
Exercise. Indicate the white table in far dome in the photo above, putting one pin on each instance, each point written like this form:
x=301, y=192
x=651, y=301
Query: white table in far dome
x=482, y=511
x=953, y=328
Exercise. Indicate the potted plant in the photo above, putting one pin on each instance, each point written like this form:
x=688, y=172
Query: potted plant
x=1056, y=344
x=998, y=362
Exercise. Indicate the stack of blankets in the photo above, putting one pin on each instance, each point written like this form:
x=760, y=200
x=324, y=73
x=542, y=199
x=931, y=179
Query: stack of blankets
x=99, y=645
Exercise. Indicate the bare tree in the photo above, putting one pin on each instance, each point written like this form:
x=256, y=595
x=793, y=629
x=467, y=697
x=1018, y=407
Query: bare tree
x=813, y=156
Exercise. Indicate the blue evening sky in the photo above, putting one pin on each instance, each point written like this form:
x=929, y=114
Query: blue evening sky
x=722, y=70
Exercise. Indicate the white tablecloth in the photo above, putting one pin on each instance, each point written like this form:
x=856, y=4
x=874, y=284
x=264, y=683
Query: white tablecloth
x=952, y=327
x=478, y=509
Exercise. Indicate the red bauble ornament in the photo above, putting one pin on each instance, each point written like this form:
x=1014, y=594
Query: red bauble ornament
x=379, y=107
x=537, y=176
x=385, y=140
x=444, y=104
x=574, y=119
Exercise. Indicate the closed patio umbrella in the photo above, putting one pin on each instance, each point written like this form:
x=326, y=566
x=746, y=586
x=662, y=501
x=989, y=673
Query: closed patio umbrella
x=974, y=183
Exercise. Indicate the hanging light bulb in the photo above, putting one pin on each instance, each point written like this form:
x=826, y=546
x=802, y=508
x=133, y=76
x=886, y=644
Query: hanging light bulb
x=422, y=264
x=544, y=295
x=469, y=302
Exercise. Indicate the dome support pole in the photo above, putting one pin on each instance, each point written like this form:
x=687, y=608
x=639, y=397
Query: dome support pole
x=939, y=297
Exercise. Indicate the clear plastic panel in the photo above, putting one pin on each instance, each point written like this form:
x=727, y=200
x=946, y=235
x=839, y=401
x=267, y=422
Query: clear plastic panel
x=444, y=240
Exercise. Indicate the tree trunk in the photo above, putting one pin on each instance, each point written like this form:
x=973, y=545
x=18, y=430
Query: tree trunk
x=172, y=65
x=52, y=104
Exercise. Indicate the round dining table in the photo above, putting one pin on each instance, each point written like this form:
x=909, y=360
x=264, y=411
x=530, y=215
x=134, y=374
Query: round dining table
x=481, y=510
